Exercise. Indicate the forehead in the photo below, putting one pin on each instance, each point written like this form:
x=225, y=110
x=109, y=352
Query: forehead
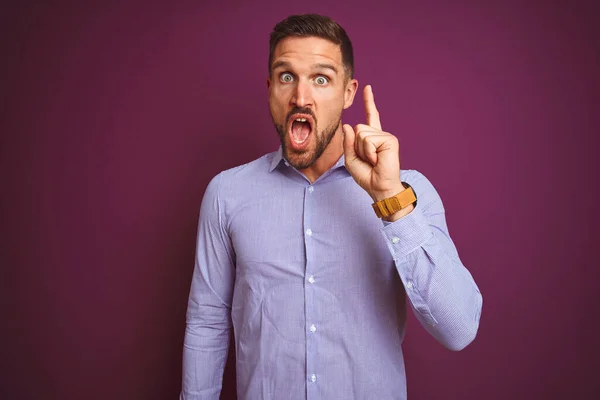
x=309, y=50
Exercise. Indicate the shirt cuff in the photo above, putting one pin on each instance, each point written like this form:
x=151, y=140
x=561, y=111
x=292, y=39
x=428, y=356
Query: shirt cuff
x=406, y=234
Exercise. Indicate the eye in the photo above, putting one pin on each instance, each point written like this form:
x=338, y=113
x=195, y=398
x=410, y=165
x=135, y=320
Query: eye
x=321, y=80
x=286, y=77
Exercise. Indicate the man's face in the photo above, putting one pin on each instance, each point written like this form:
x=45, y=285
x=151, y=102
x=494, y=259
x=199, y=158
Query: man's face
x=308, y=90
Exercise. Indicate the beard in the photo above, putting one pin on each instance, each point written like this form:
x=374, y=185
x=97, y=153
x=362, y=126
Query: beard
x=305, y=158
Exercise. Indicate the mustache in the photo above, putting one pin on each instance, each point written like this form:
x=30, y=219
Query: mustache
x=300, y=110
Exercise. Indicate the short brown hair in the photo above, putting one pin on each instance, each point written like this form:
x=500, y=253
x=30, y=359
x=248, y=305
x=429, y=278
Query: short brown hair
x=314, y=25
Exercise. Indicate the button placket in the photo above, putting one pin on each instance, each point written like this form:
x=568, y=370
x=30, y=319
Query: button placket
x=310, y=202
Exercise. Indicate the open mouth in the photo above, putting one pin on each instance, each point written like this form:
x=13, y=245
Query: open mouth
x=300, y=129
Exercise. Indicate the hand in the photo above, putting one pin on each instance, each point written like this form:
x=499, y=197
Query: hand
x=372, y=155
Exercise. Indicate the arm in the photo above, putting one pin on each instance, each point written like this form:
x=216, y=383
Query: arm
x=209, y=307
x=441, y=290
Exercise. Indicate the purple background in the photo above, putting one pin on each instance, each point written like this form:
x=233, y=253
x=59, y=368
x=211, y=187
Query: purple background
x=115, y=118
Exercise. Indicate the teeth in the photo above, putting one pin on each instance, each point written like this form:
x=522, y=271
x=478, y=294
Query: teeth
x=301, y=119
x=300, y=141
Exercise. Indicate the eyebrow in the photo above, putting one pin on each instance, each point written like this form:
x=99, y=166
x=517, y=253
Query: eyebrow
x=285, y=64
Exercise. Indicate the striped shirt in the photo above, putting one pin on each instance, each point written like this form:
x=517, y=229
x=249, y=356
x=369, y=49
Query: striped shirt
x=316, y=287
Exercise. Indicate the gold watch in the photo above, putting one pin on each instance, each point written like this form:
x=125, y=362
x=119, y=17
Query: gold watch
x=391, y=205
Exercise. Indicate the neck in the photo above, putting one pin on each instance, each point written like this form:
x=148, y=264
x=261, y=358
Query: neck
x=330, y=156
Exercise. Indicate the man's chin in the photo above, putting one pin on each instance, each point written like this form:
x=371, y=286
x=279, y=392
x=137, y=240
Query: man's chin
x=299, y=159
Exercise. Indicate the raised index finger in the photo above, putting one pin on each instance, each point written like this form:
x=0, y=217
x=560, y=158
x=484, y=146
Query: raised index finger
x=371, y=109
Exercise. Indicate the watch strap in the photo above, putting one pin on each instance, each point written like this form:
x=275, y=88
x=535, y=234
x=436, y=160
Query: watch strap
x=391, y=205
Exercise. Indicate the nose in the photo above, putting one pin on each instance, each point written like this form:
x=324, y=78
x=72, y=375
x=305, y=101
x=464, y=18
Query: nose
x=302, y=94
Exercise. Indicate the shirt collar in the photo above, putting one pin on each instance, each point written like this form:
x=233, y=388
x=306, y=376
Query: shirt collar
x=278, y=159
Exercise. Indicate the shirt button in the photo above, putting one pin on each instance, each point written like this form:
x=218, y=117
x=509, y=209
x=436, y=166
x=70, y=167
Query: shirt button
x=311, y=279
x=313, y=328
x=313, y=378
x=409, y=285
x=395, y=239
x=309, y=232
x=311, y=189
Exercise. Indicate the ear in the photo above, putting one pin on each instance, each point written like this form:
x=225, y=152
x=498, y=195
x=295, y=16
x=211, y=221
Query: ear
x=349, y=92
x=268, y=82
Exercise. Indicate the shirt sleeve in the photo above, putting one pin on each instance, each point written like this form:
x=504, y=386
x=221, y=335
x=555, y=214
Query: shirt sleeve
x=442, y=292
x=208, y=319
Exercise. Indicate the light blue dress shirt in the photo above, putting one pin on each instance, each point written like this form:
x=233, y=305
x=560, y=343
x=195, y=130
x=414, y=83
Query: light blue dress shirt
x=315, y=286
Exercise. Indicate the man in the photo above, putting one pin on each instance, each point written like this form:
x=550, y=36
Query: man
x=292, y=253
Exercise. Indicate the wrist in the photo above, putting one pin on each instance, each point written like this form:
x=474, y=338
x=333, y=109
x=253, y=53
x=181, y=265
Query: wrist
x=384, y=194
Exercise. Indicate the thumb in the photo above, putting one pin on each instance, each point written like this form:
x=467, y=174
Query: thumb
x=349, y=136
